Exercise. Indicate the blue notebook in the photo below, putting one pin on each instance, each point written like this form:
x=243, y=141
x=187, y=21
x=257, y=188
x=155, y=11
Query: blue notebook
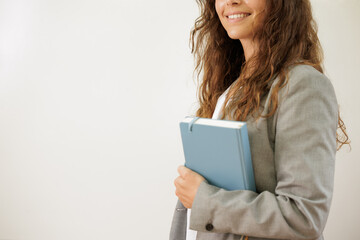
x=219, y=150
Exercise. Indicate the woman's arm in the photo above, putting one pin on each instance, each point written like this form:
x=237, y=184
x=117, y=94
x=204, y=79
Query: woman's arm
x=305, y=147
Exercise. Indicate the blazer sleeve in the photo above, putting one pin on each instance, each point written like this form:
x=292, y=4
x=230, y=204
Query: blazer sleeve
x=305, y=148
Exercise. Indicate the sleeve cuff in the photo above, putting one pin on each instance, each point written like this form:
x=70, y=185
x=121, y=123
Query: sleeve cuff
x=201, y=215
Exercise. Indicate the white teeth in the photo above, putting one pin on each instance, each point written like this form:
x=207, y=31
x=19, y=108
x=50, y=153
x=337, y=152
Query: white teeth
x=242, y=15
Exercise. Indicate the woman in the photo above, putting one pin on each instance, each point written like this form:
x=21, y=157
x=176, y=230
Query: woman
x=261, y=62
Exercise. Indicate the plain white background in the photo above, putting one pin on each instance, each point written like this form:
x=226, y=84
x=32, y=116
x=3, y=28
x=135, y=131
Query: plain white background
x=91, y=94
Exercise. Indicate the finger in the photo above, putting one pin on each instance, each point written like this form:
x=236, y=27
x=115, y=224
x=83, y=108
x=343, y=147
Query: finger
x=182, y=199
x=176, y=181
x=179, y=182
x=185, y=202
x=179, y=169
x=179, y=193
x=180, y=196
x=183, y=171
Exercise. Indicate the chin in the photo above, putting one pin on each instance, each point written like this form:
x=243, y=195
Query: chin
x=235, y=35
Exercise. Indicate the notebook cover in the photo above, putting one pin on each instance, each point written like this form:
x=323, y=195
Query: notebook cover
x=220, y=154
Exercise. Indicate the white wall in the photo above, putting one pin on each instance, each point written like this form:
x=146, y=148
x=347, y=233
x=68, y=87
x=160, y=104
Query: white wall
x=91, y=93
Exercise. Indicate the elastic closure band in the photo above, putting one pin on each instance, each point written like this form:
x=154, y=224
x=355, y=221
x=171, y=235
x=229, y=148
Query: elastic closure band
x=192, y=122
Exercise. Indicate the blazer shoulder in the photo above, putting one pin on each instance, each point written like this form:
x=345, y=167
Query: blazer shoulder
x=305, y=78
x=308, y=76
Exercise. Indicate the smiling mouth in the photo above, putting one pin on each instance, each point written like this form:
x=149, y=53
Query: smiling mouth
x=237, y=16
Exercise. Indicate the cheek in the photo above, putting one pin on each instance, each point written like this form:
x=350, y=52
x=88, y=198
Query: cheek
x=219, y=6
x=257, y=5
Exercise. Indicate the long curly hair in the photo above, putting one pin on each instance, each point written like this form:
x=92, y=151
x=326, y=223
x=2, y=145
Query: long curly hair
x=287, y=38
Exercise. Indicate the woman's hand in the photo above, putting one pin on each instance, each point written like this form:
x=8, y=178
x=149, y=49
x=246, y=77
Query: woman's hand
x=187, y=185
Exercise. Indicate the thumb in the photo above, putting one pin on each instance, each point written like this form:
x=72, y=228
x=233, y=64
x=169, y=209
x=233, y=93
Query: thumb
x=183, y=171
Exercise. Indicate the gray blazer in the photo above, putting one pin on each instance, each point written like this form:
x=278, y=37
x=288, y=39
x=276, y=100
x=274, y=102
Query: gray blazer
x=293, y=155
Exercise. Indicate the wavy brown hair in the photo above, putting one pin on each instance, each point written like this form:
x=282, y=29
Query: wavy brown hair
x=288, y=37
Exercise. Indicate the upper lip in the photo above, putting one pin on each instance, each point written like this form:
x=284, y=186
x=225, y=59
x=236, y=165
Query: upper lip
x=237, y=12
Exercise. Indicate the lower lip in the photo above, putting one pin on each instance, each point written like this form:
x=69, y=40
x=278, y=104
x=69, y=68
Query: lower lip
x=233, y=20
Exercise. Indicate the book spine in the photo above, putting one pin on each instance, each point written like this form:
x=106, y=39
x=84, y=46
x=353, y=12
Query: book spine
x=247, y=158
x=242, y=158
